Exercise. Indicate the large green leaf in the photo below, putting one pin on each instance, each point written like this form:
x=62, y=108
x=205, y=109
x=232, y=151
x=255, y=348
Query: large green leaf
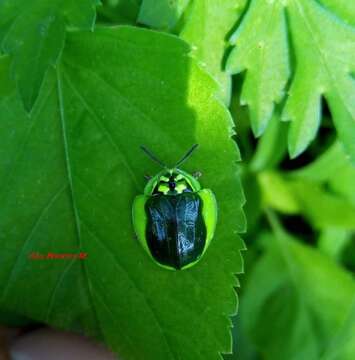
x=71, y=171
x=33, y=33
x=322, y=47
x=205, y=25
x=298, y=304
x=345, y=9
x=342, y=346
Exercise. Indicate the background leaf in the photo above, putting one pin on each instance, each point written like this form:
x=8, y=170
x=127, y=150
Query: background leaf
x=261, y=49
x=70, y=168
x=313, y=41
x=271, y=147
x=304, y=306
x=204, y=24
x=342, y=8
x=118, y=11
x=323, y=208
x=33, y=32
x=73, y=169
x=162, y=14
x=206, y=28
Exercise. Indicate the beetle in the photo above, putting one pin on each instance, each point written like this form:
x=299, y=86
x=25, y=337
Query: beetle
x=175, y=219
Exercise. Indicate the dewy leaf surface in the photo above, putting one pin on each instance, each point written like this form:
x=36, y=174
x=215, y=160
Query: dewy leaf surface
x=72, y=170
x=323, y=61
x=305, y=307
x=33, y=33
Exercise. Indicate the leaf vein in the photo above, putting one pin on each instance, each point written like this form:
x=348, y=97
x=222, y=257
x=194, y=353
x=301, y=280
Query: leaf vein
x=34, y=227
x=149, y=306
x=101, y=125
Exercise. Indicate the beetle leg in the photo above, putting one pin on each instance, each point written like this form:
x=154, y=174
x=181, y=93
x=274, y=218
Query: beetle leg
x=197, y=174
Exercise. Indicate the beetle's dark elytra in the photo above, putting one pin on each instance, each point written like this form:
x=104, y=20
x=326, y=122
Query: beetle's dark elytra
x=175, y=218
x=176, y=232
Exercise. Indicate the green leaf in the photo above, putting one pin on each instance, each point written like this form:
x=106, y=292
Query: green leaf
x=332, y=241
x=344, y=9
x=272, y=147
x=342, y=182
x=325, y=49
x=298, y=304
x=343, y=344
x=118, y=11
x=252, y=207
x=69, y=179
x=162, y=14
x=206, y=27
x=277, y=193
x=333, y=169
x=33, y=33
x=6, y=85
x=13, y=320
x=323, y=208
x=324, y=167
x=261, y=49
x=322, y=47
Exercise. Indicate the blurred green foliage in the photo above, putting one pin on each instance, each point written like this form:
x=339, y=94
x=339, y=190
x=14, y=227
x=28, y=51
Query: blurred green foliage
x=285, y=69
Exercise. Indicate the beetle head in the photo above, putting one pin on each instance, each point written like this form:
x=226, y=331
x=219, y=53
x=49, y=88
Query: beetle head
x=171, y=181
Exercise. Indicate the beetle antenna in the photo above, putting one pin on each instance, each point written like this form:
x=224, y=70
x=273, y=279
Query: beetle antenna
x=152, y=156
x=187, y=155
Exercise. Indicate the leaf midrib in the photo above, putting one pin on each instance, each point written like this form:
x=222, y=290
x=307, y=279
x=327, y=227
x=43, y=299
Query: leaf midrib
x=34, y=227
x=73, y=201
x=78, y=221
x=101, y=125
x=122, y=269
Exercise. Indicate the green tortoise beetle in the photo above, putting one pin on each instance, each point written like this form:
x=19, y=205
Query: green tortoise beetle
x=175, y=218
